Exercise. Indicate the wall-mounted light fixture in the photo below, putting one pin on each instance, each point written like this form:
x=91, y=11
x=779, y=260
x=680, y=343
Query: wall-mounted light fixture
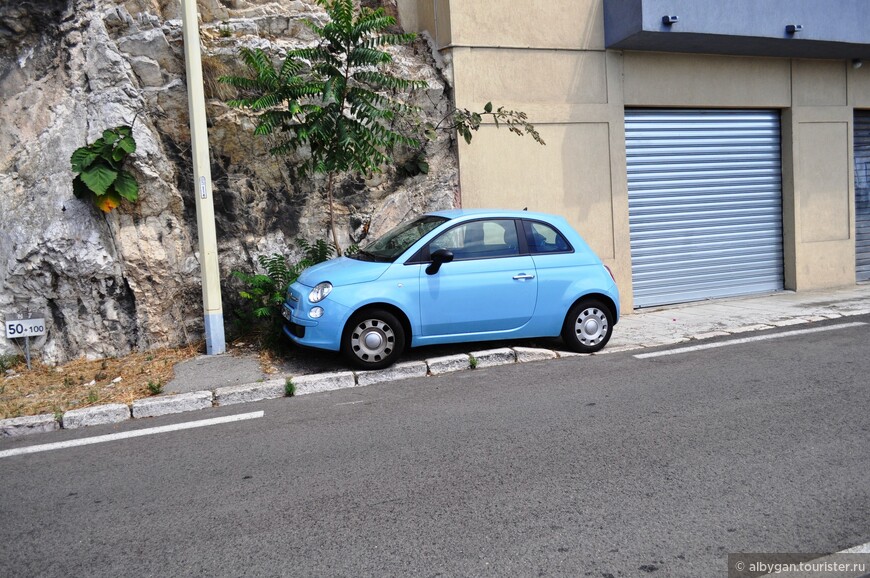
x=668, y=20
x=857, y=63
x=792, y=28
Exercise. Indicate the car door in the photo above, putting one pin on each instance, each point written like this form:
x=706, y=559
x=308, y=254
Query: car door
x=488, y=287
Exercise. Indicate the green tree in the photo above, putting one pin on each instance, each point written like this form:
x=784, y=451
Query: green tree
x=338, y=99
x=334, y=98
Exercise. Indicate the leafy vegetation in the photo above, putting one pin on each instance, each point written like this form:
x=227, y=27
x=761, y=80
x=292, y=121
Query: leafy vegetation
x=100, y=175
x=155, y=387
x=9, y=361
x=265, y=292
x=465, y=122
x=336, y=98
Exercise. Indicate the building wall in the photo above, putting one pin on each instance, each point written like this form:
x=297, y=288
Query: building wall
x=547, y=58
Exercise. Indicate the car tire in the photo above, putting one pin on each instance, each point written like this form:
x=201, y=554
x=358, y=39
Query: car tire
x=373, y=339
x=588, y=326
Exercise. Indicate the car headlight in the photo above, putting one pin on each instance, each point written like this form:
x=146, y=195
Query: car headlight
x=320, y=291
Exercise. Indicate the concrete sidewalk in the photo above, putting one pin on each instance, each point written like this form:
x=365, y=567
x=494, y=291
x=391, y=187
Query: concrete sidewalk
x=238, y=378
x=701, y=320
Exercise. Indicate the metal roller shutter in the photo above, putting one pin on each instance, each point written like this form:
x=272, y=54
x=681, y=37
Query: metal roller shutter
x=705, y=203
x=862, y=195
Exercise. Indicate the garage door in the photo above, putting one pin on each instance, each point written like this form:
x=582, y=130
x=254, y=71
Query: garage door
x=705, y=204
x=862, y=195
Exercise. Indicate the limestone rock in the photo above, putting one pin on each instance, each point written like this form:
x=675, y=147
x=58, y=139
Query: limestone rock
x=109, y=284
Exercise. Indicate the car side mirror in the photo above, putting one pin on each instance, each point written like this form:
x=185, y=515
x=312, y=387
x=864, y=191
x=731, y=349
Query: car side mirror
x=439, y=257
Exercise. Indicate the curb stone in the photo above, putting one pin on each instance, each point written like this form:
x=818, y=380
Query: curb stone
x=526, y=354
x=494, y=357
x=560, y=353
x=29, y=424
x=448, y=363
x=399, y=371
x=324, y=382
x=97, y=415
x=249, y=392
x=157, y=406
x=750, y=328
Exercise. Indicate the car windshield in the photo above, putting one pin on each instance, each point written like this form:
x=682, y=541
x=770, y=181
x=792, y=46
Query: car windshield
x=389, y=246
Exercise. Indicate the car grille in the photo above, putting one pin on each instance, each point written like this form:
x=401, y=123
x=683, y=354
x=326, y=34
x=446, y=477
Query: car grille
x=293, y=328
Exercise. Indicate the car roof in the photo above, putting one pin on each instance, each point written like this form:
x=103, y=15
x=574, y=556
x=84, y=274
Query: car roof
x=493, y=213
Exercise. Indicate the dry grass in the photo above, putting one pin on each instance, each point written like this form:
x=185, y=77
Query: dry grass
x=212, y=69
x=84, y=383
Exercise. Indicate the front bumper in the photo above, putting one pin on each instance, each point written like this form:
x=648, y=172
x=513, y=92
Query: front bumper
x=321, y=333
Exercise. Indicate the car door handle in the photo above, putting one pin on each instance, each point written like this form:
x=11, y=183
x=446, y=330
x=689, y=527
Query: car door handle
x=523, y=277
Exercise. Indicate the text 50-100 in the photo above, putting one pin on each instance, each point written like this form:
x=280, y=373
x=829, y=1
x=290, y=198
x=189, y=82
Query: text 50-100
x=25, y=328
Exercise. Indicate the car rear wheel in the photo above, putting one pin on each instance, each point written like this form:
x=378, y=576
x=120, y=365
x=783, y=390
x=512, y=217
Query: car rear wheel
x=373, y=339
x=588, y=326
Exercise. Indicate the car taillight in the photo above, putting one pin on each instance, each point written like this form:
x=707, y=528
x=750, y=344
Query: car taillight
x=611, y=273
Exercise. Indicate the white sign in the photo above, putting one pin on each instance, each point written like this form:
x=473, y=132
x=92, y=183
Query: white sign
x=25, y=328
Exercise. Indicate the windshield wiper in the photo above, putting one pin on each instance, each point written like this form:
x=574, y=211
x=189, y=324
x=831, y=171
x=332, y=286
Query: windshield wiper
x=371, y=256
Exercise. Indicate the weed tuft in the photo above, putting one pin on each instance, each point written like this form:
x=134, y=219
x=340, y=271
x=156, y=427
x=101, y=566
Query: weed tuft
x=155, y=387
x=9, y=361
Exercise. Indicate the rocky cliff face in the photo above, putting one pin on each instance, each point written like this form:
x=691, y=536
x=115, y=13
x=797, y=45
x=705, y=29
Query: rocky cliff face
x=129, y=280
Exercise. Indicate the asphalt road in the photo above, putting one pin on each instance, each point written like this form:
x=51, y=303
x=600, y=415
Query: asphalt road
x=597, y=466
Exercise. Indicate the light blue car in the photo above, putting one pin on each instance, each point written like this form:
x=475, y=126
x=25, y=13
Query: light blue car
x=456, y=276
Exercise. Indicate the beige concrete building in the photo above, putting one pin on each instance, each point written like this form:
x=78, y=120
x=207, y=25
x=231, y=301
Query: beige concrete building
x=701, y=151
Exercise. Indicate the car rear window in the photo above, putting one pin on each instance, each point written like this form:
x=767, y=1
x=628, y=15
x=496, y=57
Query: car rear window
x=543, y=238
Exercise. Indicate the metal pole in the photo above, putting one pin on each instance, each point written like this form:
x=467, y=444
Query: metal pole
x=211, y=288
x=27, y=350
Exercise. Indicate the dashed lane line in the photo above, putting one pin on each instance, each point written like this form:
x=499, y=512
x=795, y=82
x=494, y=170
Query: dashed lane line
x=130, y=434
x=679, y=350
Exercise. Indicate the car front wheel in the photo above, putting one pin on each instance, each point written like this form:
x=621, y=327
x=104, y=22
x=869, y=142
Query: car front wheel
x=588, y=326
x=373, y=339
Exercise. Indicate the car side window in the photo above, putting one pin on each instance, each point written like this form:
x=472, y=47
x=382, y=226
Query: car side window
x=479, y=240
x=543, y=238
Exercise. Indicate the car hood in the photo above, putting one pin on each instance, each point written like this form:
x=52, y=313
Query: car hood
x=342, y=271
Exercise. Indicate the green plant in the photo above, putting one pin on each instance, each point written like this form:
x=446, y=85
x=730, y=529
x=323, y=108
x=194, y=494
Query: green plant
x=289, y=388
x=415, y=165
x=465, y=122
x=472, y=361
x=93, y=396
x=100, y=175
x=155, y=387
x=334, y=98
x=265, y=292
x=225, y=31
x=9, y=361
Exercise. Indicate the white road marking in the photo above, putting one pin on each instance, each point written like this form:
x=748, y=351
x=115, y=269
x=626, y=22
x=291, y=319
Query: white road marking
x=861, y=549
x=851, y=558
x=746, y=340
x=130, y=434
